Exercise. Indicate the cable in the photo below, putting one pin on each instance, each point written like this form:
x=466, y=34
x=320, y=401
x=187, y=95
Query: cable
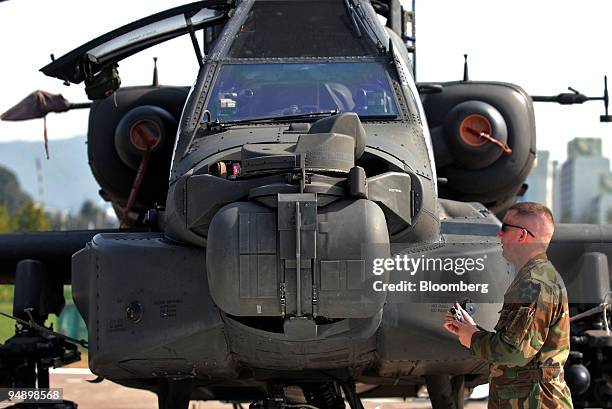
x=588, y=313
x=603, y=307
x=42, y=329
x=605, y=312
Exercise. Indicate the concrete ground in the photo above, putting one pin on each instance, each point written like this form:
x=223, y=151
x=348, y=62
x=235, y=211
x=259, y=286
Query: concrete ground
x=108, y=395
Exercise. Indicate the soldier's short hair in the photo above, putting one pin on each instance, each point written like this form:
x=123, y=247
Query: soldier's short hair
x=532, y=209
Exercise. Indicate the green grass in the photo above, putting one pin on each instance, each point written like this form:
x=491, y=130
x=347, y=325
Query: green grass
x=7, y=326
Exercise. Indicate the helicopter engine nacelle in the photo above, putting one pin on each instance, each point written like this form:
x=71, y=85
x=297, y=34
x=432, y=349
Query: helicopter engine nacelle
x=484, y=141
x=122, y=128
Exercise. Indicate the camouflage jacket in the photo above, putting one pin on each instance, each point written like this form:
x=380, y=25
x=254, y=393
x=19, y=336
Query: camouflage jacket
x=531, y=342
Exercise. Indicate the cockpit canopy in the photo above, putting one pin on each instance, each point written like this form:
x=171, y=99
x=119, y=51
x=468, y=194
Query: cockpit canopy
x=244, y=91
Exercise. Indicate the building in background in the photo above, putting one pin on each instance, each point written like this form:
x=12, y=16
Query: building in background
x=556, y=193
x=601, y=207
x=583, y=196
x=540, y=181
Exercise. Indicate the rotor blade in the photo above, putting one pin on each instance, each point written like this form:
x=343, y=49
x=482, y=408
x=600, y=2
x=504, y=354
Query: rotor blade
x=36, y=105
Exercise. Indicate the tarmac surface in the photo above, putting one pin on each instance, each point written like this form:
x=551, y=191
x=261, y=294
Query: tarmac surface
x=108, y=395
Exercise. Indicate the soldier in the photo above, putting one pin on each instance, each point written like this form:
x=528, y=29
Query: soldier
x=530, y=344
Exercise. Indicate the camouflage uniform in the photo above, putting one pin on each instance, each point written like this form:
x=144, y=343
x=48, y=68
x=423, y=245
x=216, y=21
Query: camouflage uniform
x=531, y=343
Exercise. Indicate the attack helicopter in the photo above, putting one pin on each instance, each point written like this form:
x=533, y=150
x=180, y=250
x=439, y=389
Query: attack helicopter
x=255, y=204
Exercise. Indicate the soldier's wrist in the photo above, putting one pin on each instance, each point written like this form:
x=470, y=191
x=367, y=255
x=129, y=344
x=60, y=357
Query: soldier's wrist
x=474, y=338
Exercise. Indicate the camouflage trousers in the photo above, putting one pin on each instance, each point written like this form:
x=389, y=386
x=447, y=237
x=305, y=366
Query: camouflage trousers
x=528, y=394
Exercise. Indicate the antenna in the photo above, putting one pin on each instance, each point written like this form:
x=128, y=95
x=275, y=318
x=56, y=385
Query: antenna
x=606, y=100
x=466, y=76
x=155, y=77
x=575, y=97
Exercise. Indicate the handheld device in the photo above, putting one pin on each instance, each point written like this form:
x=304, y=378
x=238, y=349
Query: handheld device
x=456, y=313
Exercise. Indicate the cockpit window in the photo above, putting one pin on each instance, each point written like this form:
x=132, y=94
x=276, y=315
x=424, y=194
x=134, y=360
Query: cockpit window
x=244, y=91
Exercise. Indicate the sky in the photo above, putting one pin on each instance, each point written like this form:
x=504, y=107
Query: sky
x=544, y=46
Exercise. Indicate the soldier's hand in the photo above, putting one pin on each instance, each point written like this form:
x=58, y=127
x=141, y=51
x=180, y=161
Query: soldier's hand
x=465, y=332
x=448, y=317
x=466, y=317
x=449, y=324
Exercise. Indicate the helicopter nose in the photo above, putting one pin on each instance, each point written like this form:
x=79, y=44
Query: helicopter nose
x=297, y=259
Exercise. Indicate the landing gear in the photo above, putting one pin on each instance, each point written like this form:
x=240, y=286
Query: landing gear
x=323, y=395
x=351, y=395
x=318, y=395
x=446, y=392
x=174, y=394
x=276, y=400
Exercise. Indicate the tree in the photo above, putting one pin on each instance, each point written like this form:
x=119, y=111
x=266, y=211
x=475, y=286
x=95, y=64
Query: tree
x=5, y=219
x=90, y=216
x=89, y=211
x=30, y=218
x=10, y=192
